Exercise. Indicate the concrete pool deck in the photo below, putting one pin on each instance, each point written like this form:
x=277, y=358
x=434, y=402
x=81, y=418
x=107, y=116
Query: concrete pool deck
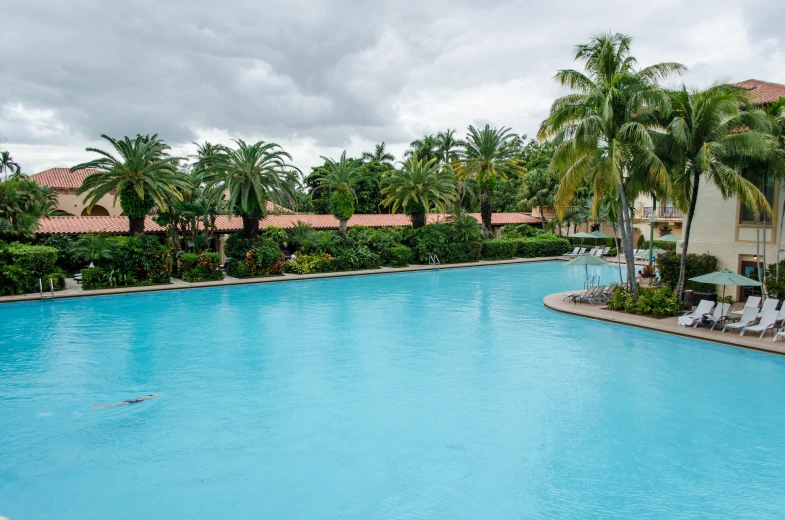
x=667, y=325
x=74, y=290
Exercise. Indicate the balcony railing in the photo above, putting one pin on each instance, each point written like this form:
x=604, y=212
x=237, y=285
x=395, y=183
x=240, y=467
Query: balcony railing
x=663, y=212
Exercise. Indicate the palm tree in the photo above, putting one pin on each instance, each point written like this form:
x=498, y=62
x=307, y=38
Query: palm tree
x=7, y=164
x=465, y=227
x=417, y=188
x=602, y=129
x=380, y=155
x=92, y=248
x=22, y=204
x=776, y=111
x=539, y=189
x=143, y=175
x=341, y=177
x=423, y=149
x=252, y=175
x=489, y=154
x=448, y=148
x=710, y=135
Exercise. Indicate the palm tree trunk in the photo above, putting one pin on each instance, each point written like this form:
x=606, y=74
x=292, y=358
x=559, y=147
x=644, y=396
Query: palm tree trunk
x=757, y=250
x=486, y=209
x=136, y=226
x=687, y=227
x=765, y=265
x=251, y=225
x=343, y=225
x=616, y=243
x=628, y=256
x=418, y=219
x=542, y=215
x=779, y=245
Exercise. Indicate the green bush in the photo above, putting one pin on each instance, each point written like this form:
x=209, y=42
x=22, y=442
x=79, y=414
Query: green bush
x=236, y=246
x=651, y=302
x=540, y=246
x=382, y=242
x=462, y=252
x=520, y=231
x=101, y=278
x=269, y=257
x=775, y=288
x=238, y=268
x=669, y=263
x=66, y=259
x=143, y=259
x=22, y=265
x=58, y=281
x=276, y=234
x=499, y=249
x=13, y=280
x=36, y=261
x=399, y=256
x=200, y=267
x=310, y=264
x=427, y=241
x=355, y=258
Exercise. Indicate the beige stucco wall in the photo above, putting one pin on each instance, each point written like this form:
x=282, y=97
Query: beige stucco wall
x=69, y=201
x=716, y=230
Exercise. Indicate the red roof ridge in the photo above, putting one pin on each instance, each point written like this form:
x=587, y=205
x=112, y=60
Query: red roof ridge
x=762, y=92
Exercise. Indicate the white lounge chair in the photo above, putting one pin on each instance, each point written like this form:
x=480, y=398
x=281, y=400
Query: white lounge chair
x=769, y=304
x=767, y=321
x=581, y=251
x=606, y=251
x=598, y=252
x=752, y=301
x=573, y=253
x=704, y=307
x=720, y=311
x=748, y=317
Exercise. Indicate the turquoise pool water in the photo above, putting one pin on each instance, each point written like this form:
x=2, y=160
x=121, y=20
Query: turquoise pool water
x=448, y=395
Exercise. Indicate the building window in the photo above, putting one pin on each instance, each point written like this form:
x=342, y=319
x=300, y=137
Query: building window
x=767, y=188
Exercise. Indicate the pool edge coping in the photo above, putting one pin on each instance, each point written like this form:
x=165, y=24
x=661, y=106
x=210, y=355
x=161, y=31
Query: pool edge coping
x=180, y=285
x=554, y=302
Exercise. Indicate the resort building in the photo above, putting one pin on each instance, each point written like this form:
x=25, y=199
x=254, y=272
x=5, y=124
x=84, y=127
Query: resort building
x=726, y=228
x=66, y=182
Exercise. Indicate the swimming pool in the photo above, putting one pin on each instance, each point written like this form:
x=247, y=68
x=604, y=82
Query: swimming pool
x=443, y=394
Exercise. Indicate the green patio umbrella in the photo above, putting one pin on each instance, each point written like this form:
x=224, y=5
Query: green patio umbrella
x=586, y=261
x=599, y=234
x=655, y=251
x=668, y=238
x=582, y=235
x=724, y=278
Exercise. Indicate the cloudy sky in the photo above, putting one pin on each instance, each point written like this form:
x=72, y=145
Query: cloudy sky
x=322, y=76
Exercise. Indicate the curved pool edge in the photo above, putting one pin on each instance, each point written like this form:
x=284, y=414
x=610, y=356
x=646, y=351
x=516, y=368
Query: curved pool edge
x=177, y=284
x=555, y=302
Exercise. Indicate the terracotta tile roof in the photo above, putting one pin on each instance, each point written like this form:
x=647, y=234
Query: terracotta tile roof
x=62, y=178
x=119, y=225
x=762, y=92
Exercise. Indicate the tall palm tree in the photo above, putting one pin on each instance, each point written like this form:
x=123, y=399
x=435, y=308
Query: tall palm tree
x=710, y=135
x=418, y=188
x=380, y=155
x=341, y=177
x=776, y=111
x=143, y=175
x=489, y=155
x=7, y=164
x=602, y=129
x=448, y=148
x=423, y=149
x=251, y=175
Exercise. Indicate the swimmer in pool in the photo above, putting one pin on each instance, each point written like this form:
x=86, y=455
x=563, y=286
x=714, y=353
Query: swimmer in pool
x=129, y=401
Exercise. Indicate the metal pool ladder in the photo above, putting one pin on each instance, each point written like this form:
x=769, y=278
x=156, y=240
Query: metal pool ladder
x=41, y=288
x=433, y=260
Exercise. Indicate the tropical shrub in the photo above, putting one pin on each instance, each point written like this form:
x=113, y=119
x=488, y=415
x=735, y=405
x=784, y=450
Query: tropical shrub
x=499, y=249
x=669, y=263
x=13, y=280
x=399, y=256
x=775, y=288
x=382, y=242
x=278, y=235
x=427, y=241
x=520, y=231
x=22, y=265
x=310, y=264
x=236, y=246
x=67, y=259
x=668, y=246
x=200, y=267
x=651, y=302
x=263, y=259
x=354, y=258
x=101, y=278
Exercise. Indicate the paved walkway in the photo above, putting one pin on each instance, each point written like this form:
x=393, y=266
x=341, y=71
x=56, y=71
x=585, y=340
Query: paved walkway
x=667, y=325
x=74, y=290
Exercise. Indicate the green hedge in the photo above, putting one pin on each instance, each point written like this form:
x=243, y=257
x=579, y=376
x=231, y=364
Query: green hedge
x=265, y=258
x=200, y=267
x=356, y=258
x=22, y=265
x=101, y=278
x=399, y=256
x=499, y=249
x=462, y=252
x=539, y=247
x=651, y=302
x=668, y=246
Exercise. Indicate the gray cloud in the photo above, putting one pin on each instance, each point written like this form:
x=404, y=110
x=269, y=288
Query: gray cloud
x=322, y=76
